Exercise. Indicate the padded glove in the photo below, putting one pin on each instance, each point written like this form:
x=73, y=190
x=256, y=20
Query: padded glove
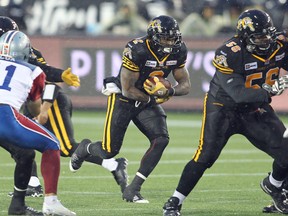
x=154, y=87
x=162, y=100
x=278, y=87
x=69, y=78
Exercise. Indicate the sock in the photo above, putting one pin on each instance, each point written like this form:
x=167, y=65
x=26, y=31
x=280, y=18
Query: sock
x=50, y=199
x=34, y=181
x=50, y=169
x=110, y=164
x=138, y=181
x=18, y=199
x=275, y=182
x=180, y=196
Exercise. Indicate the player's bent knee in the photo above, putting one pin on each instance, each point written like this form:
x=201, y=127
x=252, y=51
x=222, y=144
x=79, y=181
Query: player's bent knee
x=24, y=156
x=160, y=142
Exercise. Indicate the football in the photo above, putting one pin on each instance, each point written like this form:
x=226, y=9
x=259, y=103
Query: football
x=163, y=80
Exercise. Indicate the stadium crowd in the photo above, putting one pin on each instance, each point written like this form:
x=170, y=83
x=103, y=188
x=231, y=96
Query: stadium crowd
x=128, y=17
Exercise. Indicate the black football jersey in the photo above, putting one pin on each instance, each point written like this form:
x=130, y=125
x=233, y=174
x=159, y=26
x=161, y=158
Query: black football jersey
x=139, y=57
x=240, y=74
x=52, y=74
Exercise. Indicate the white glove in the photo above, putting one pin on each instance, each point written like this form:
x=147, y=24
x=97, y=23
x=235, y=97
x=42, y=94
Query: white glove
x=278, y=87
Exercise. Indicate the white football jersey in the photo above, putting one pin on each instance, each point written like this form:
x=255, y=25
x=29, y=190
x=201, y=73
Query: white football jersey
x=16, y=80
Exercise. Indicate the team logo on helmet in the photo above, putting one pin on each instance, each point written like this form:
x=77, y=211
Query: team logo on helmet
x=156, y=24
x=245, y=23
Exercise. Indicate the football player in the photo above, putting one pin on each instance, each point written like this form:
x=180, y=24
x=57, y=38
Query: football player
x=238, y=102
x=55, y=115
x=22, y=81
x=159, y=53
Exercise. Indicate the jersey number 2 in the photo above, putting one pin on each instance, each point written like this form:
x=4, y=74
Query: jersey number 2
x=10, y=71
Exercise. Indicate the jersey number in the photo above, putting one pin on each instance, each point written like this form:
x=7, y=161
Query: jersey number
x=268, y=79
x=10, y=72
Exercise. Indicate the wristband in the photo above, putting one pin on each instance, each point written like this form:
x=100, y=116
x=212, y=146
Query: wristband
x=50, y=92
x=171, y=91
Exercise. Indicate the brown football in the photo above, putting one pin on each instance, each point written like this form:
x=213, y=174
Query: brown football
x=163, y=80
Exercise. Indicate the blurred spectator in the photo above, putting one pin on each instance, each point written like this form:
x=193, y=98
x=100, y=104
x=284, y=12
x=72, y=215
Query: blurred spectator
x=149, y=9
x=231, y=12
x=127, y=22
x=277, y=9
x=206, y=23
x=16, y=11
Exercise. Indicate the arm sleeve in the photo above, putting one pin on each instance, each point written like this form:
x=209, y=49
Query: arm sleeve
x=37, y=87
x=52, y=74
x=234, y=85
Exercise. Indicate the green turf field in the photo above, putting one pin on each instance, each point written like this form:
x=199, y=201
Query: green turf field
x=230, y=187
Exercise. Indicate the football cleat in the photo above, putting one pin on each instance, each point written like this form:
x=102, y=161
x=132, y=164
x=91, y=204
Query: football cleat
x=120, y=174
x=270, y=209
x=172, y=207
x=79, y=155
x=279, y=195
x=31, y=191
x=131, y=195
x=24, y=210
x=56, y=209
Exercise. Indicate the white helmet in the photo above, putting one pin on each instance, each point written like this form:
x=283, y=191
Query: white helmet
x=15, y=44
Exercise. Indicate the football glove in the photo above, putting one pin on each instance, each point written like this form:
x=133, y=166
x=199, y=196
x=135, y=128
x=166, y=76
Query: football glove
x=155, y=87
x=162, y=100
x=278, y=87
x=69, y=78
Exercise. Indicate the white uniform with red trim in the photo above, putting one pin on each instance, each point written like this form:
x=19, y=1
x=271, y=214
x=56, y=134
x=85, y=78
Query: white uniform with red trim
x=16, y=80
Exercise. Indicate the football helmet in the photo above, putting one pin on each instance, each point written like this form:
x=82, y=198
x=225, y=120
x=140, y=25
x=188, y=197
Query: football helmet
x=7, y=24
x=15, y=44
x=256, y=29
x=164, y=33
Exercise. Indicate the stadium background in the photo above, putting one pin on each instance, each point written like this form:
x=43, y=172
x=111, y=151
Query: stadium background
x=61, y=30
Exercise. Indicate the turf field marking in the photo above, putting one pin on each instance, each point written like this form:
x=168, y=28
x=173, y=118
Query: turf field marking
x=172, y=123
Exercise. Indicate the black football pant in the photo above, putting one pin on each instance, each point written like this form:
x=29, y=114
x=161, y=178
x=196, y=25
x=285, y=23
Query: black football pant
x=150, y=120
x=24, y=159
x=261, y=127
x=61, y=125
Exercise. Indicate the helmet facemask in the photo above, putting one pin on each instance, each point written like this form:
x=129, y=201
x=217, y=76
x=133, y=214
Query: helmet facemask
x=164, y=34
x=168, y=43
x=261, y=43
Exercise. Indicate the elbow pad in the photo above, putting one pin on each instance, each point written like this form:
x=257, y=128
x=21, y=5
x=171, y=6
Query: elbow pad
x=50, y=92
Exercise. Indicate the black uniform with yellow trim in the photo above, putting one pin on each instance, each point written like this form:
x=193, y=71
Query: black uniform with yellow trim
x=59, y=120
x=140, y=58
x=236, y=104
x=52, y=74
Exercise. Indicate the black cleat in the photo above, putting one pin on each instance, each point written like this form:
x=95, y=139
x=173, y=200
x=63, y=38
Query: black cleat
x=172, y=207
x=279, y=195
x=270, y=209
x=79, y=155
x=31, y=191
x=131, y=195
x=120, y=174
x=25, y=210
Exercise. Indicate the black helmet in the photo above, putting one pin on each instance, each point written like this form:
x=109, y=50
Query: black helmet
x=256, y=29
x=7, y=24
x=164, y=33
